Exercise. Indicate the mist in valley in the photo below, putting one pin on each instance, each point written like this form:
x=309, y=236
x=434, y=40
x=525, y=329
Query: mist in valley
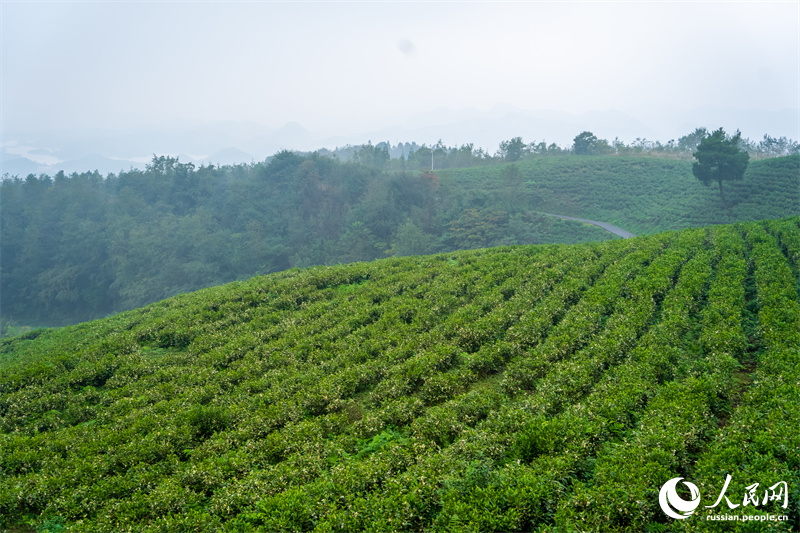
x=104, y=86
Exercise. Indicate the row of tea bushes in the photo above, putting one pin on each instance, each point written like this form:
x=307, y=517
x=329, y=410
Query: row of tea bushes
x=516, y=389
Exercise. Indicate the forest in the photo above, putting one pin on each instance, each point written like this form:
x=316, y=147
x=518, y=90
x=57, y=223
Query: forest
x=541, y=388
x=83, y=246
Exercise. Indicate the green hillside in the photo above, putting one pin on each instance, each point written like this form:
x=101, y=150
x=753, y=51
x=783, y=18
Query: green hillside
x=528, y=388
x=80, y=247
x=640, y=194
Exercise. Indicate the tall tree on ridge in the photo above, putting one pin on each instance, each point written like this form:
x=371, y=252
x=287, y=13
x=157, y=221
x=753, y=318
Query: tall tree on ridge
x=719, y=159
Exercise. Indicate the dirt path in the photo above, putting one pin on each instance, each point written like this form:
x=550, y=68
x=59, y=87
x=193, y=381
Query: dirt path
x=608, y=227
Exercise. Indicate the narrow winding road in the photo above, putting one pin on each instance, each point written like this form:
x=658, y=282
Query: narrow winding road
x=606, y=226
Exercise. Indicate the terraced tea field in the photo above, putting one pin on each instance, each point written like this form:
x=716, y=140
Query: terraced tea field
x=528, y=388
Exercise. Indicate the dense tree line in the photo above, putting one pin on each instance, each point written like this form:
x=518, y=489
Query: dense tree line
x=83, y=246
x=414, y=157
x=587, y=143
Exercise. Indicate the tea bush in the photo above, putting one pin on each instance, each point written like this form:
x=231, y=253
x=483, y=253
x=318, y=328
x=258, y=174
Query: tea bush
x=525, y=388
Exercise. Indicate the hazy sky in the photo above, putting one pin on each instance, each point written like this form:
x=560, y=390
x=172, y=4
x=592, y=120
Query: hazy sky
x=342, y=65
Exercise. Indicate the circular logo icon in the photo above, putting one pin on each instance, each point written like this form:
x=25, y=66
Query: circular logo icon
x=671, y=502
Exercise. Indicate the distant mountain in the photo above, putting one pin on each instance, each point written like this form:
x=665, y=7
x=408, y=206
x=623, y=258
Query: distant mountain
x=104, y=165
x=229, y=156
x=244, y=141
x=291, y=134
x=19, y=166
x=753, y=123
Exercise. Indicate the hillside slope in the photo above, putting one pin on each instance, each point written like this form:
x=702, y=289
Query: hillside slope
x=640, y=194
x=529, y=388
x=79, y=247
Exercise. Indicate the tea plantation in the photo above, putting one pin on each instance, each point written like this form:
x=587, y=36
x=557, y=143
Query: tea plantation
x=643, y=195
x=527, y=388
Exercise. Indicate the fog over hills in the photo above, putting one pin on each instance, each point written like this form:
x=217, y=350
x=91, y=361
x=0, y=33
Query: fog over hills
x=232, y=142
x=279, y=75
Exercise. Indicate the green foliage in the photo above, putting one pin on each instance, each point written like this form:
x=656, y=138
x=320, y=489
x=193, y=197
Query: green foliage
x=411, y=240
x=378, y=442
x=478, y=229
x=207, y=420
x=643, y=195
x=523, y=388
x=720, y=159
x=512, y=150
x=81, y=247
x=584, y=143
